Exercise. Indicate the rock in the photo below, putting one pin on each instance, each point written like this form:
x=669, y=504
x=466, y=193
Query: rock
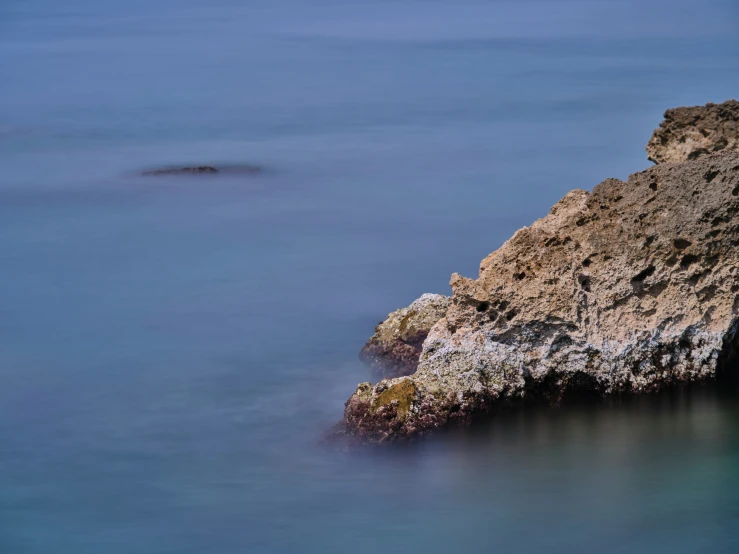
x=202, y=170
x=688, y=133
x=630, y=288
x=394, y=349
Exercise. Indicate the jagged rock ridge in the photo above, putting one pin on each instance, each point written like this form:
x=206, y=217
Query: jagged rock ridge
x=689, y=133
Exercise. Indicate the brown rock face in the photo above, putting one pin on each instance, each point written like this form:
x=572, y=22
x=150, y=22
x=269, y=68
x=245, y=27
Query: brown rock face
x=394, y=349
x=627, y=289
x=688, y=133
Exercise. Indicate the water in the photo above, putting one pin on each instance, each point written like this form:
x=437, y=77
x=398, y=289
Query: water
x=172, y=350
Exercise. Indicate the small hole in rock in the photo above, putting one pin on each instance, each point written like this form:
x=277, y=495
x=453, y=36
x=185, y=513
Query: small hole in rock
x=681, y=244
x=561, y=342
x=710, y=175
x=695, y=278
x=642, y=275
x=688, y=260
x=482, y=306
x=510, y=315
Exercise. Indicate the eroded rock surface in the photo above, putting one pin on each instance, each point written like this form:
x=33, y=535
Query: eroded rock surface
x=395, y=348
x=627, y=289
x=689, y=133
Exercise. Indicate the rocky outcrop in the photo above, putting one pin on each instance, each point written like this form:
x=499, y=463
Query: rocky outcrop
x=395, y=348
x=688, y=133
x=630, y=288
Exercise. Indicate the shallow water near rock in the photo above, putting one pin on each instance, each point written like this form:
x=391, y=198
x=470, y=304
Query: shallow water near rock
x=172, y=352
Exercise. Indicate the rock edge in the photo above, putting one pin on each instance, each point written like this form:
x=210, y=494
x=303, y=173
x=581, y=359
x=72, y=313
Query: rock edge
x=692, y=132
x=395, y=347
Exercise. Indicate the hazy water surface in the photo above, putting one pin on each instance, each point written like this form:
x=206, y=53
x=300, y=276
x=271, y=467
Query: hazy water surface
x=171, y=350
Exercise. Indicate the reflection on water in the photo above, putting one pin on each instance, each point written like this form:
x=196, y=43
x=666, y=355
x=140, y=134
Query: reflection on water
x=645, y=474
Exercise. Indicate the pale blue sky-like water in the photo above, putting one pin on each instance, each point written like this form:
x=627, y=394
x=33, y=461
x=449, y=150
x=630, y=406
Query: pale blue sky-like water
x=172, y=350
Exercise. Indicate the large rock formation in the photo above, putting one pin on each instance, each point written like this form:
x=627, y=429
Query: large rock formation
x=394, y=349
x=630, y=288
x=688, y=133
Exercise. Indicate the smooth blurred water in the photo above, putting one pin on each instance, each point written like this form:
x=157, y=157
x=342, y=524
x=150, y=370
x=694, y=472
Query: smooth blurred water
x=172, y=350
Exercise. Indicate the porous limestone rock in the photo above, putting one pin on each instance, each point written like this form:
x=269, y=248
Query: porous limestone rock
x=630, y=288
x=394, y=349
x=688, y=133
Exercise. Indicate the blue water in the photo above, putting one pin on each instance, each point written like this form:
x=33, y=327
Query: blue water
x=172, y=350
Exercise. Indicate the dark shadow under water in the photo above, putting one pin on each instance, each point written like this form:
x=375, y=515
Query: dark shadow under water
x=642, y=473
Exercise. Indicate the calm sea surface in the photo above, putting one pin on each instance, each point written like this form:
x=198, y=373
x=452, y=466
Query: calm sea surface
x=172, y=350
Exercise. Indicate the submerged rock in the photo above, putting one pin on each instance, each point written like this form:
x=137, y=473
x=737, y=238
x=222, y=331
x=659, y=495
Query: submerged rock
x=688, y=133
x=631, y=288
x=394, y=349
x=201, y=170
